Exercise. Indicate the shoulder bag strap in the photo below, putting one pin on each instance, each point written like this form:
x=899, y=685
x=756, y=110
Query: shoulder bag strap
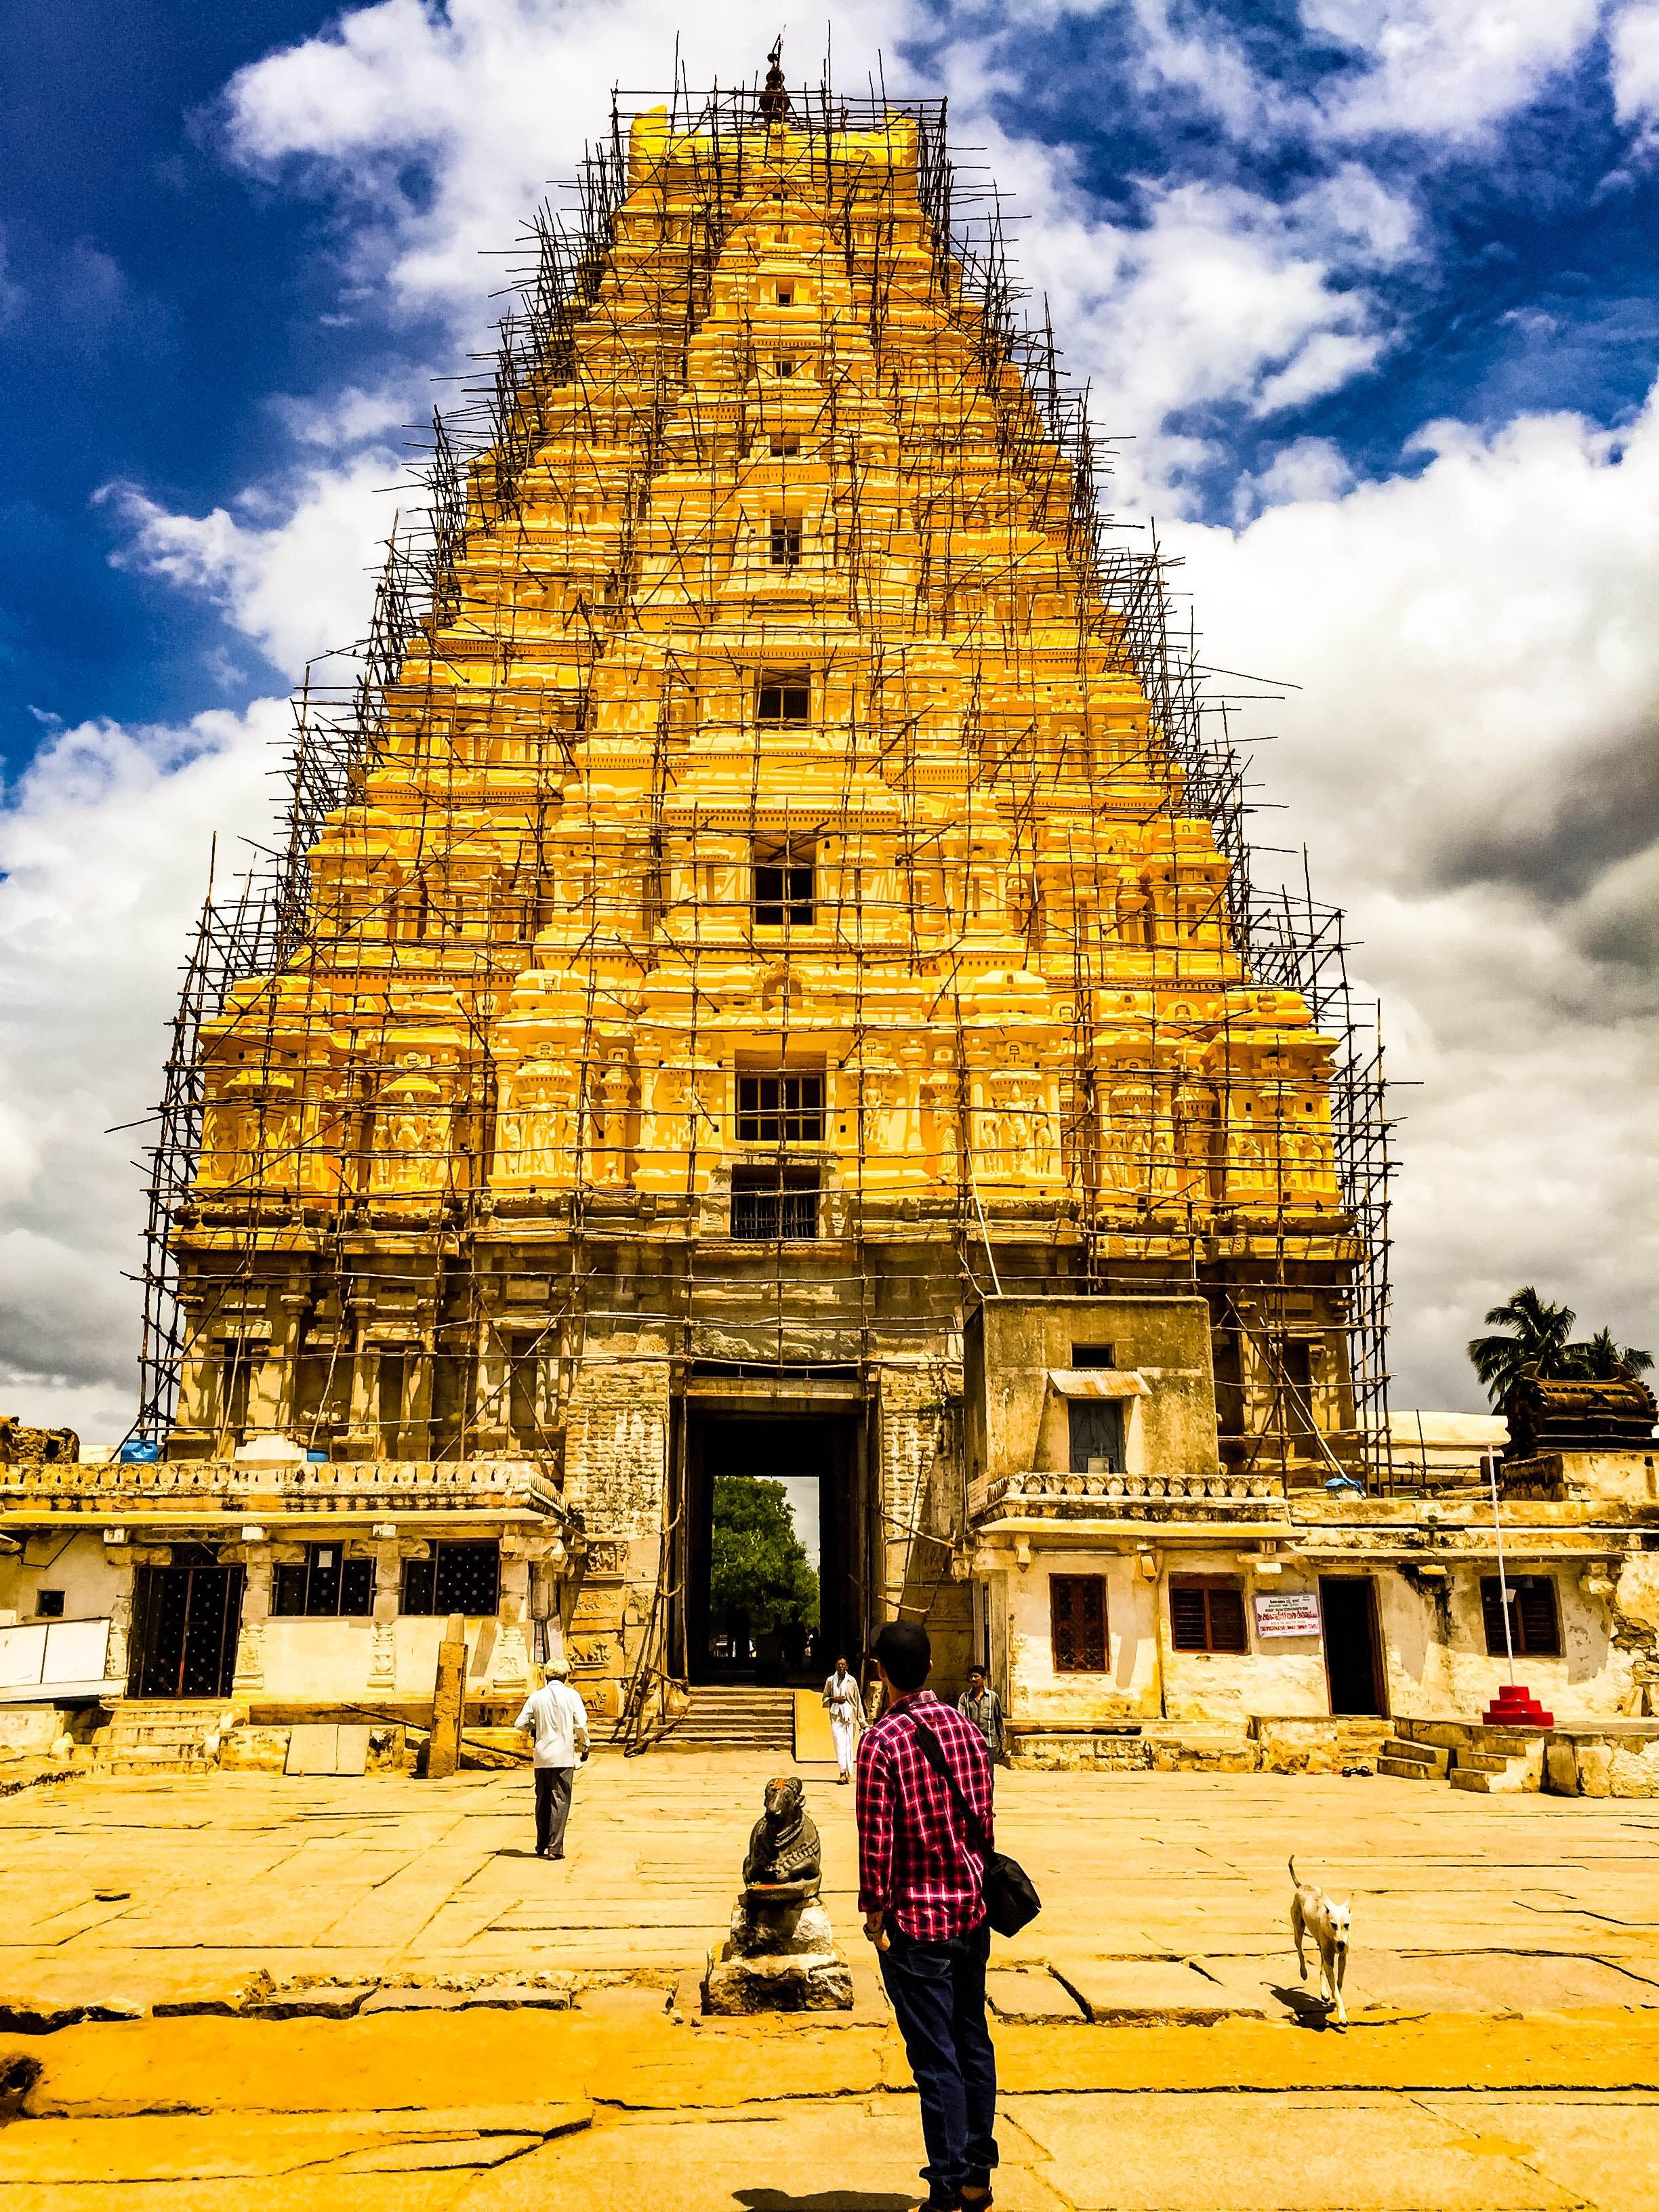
x=933, y=1752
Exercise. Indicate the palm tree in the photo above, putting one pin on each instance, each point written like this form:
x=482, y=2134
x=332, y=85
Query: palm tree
x=1534, y=1338
x=1599, y=1360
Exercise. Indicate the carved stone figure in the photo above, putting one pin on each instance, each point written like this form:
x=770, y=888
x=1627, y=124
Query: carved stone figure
x=783, y=1845
x=780, y=1955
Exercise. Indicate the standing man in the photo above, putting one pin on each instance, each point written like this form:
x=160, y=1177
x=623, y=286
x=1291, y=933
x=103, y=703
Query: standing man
x=555, y=1717
x=980, y=1703
x=840, y=1694
x=920, y=1891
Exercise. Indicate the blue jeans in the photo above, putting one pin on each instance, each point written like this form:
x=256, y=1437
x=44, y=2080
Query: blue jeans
x=938, y=1993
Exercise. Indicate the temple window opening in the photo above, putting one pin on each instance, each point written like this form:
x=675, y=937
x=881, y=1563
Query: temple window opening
x=325, y=1584
x=779, y=1109
x=783, y=698
x=784, y=873
x=769, y=1204
x=456, y=1578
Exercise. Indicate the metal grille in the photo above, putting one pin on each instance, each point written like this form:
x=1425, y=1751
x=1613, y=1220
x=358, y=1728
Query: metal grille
x=766, y=1211
x=1076, y=1611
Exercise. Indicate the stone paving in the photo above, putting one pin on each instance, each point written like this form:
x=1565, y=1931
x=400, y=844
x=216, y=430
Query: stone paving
x=1157, y=2047
x=1162, y=1892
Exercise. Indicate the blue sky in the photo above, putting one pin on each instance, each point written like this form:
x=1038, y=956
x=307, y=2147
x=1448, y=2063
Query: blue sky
x=163, y=296
x=1366, y=287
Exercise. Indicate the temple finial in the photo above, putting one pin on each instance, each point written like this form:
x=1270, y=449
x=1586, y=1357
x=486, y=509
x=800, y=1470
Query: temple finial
x=775, y=95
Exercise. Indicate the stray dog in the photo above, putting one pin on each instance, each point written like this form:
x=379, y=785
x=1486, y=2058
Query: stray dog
x=1313, y=1913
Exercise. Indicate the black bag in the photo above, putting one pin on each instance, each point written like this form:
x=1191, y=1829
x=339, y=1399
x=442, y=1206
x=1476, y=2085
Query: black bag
x=1011, y=1898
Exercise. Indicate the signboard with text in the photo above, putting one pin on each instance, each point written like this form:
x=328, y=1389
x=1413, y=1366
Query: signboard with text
x=1294, y=1612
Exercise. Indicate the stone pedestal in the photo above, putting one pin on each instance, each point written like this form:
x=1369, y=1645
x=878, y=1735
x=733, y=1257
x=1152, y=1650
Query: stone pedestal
x=779, y=1957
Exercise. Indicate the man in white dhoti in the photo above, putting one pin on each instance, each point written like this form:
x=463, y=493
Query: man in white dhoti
x=555, y=1717
x=840, y=1694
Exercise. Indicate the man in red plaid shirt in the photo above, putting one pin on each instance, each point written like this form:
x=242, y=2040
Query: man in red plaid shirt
x=920, y=1893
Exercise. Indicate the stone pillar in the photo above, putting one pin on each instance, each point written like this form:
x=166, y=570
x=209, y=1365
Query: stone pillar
x=389, y=1555
x=257, y=1563
x=509, y=1668
x=118, y=1661
x=449, y=1701
x=492, y=1430
x=363, y=1438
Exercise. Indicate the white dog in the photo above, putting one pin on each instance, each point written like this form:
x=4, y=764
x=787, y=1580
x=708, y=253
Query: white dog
x=1313, y=1913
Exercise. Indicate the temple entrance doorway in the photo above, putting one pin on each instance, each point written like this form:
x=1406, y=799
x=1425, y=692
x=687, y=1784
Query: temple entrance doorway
x=1347, y=1605
x=185, y=1617
x=775, y=1576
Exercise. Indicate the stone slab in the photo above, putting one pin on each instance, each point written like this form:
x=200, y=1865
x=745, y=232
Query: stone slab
x=1135, y=1992
x=187, y=2147
x=1256, y=2153
x=1030, y=1996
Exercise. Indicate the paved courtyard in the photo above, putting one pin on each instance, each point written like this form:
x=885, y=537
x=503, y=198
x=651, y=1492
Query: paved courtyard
x=1156, y=2046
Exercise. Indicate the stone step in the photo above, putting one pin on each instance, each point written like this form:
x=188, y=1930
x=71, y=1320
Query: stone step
x=735, y=1717
x=139, y=1763
x=1431, y=1760
x=1410, y=1770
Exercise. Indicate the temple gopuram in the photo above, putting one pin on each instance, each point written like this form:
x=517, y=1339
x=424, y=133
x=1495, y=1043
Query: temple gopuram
x=766, y=982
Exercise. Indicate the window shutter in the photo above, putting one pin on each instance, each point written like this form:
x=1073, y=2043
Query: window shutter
x=357, y=1587
x=1188, y=1629
x=1227, y=1620
x=287, y=1589
x=1492, y=1613
x=1077, y=1613
x=1541, y=1628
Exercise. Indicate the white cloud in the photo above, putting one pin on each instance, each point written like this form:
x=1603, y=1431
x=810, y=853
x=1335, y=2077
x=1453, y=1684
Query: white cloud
x=294, y=570
x=1475, y=642
x=495, y=96
x=1633, y=45
x=1307, y=469
x=1219, y=299
x=104, y=847
x=1473, y=758
x=1446, y=67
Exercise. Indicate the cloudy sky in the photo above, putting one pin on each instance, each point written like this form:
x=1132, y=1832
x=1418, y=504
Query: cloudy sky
x=1366, y=288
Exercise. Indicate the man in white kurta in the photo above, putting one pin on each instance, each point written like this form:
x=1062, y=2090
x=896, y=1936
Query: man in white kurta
x=840, y=1694
x=555, y=1717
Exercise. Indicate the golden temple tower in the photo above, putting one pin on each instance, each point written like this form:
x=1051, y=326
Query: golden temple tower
x=768, y=895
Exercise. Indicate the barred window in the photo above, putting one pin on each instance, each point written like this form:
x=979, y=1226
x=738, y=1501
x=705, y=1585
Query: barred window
x=1535, y=1622
x=456, y=1578
x=783, y=884
x=1206, y=1613
x=785, y=541
x=767, y=1204
x=1077, y=1620
x=786, y=444
x=783, y=698
x=324, y=1583
x=779, y=1109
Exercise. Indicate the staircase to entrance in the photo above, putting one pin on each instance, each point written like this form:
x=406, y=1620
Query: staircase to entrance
x=158, y=1736
x=734, y=1717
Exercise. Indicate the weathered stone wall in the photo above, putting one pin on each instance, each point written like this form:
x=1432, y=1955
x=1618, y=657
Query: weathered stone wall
x=615, y=1452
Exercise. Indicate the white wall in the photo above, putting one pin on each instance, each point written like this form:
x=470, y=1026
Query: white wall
x=90, y=1573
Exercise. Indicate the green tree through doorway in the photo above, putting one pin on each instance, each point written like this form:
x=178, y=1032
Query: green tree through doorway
x=759, y=1575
